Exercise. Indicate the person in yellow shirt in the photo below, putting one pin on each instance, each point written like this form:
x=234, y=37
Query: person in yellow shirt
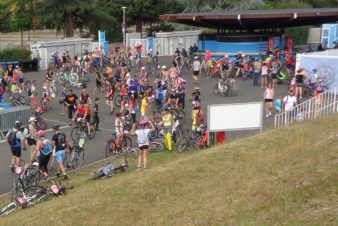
x=144, y=107
x=167, y=122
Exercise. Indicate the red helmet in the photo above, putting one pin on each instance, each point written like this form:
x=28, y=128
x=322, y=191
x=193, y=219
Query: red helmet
x=143, y=122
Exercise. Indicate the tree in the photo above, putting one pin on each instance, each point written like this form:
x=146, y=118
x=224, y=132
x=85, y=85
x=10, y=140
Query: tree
x=148, y=11
x=217, y=5
x=64, y=14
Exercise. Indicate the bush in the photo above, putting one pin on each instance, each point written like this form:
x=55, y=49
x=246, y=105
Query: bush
x=15, y=54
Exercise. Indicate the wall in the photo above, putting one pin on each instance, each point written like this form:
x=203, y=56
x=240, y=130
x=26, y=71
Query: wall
x=45, y=49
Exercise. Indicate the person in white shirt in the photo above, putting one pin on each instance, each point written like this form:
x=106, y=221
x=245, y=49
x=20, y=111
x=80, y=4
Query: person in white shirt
x=142, y=141
x=289, y=102
x=196, y=67
x=269, y=96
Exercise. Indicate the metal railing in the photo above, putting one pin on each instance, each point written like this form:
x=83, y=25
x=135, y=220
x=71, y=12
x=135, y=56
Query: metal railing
x=10, y=115
x=318, y=106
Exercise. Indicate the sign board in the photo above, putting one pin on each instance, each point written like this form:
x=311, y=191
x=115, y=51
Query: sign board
x=232, y=117
x=102, y=36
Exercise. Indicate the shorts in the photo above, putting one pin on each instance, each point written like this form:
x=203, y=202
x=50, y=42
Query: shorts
x=87, y=118
x=268, y=100
x=60, y=156
x=299, y=84
x=16, y=151
x=195, y=73
x=144, y=146
x=264, y=76
x=98, y=84
x=274, y=76
x=31, y=141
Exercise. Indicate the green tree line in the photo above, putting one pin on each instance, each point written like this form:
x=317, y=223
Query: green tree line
x=94, y=15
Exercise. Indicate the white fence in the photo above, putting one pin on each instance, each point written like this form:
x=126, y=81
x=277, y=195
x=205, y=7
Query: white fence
x=318, y=106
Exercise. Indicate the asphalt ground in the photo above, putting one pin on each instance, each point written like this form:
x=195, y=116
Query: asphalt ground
x=95, y=149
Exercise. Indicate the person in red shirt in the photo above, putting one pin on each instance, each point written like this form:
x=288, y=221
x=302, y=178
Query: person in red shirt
x=83, y=112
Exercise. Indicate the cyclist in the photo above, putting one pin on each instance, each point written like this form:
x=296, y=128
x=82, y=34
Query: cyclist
x=45, y=151
x=96, y=113
x=143, y=142
x=167, y=122
x=83, y=112
x=60, y=143
x=16, y=140
x=70, y=100
x=118, y=127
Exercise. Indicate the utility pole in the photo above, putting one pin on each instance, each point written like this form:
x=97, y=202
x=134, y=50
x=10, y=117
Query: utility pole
x=124, y=26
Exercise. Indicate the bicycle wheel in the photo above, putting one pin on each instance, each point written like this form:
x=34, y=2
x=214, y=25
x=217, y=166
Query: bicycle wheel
x=127, y=142
x=200, y=144
x=8, y=209
x=155, y=146
x=179, y=132
x=75, y=133
x=212, y=137
x=131, y=152
x=110, y=149
x=181, y=145
x=41, y=124
x=117, y=101
x=77, y=157
x=73, y=78
x=35, y=194
x=96, y=175
x=181, y=116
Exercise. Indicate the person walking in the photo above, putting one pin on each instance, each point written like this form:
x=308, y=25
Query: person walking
x=31, y=138
x=60, y=143
x=70, y=100
x=257, y=65
x=143, y=142
x=96, y=113
x=16, y=141
x=45, y=149
x=196, y=68
x=269, y=95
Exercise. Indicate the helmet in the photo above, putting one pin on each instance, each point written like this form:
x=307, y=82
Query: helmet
x=18, y=123
x=32, y=119
x=196, y=88
x=196, y=104
x=164, y=67
x=142, y=122
x=56, y=126
x=195, y=57
x=41, y=133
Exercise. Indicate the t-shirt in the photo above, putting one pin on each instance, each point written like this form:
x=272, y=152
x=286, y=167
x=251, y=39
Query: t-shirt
x=142, y=137
x=290, y=102
x=71, y=99
x=159, y=93
x=196, y=66
x=96, y=109
x=60, y=141
x=133, y=85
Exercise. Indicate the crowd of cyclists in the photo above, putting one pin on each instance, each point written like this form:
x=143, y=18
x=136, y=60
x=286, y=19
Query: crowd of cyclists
x=145, y=99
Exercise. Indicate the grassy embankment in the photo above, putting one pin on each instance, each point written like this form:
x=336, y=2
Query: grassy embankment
x=280, y=177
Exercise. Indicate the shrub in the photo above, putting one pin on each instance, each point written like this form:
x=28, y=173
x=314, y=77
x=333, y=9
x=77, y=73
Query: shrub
x=15, y=54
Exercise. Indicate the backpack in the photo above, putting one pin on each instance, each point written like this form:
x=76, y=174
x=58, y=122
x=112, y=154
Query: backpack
x=47, y=146
x=61, y=141
x=29, y=91
x=12, y=139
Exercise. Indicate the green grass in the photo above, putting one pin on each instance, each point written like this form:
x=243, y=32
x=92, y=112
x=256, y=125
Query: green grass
x=280, y=177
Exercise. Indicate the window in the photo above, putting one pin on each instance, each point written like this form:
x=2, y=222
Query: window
x=325, y=33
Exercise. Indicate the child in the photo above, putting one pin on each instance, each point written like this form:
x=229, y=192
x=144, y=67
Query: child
x=278, y=104
x=34, y=100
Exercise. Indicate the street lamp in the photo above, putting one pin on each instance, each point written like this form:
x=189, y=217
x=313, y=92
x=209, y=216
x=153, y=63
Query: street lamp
x=124, y=25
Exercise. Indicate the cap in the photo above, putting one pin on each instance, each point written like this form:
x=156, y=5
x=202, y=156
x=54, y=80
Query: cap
x=41, y=133
x=56, y=126
x=32, y=119
x=143, y=122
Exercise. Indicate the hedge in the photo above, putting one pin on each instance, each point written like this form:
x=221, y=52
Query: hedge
x=15, y=54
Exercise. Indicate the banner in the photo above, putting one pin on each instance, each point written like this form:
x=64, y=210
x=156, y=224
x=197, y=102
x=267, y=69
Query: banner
x=270, y=44
x=289, y=43
x=327, y=69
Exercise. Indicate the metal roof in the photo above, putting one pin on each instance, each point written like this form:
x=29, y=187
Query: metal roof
x=255, y=19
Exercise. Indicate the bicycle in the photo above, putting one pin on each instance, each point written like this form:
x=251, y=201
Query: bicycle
x=109, y=170
x=17, y=99
x=29, y=196
x=186, y=142
x=81, y=127
x=40, y=123
x=76, y=154
x=27, y=175
x=202, y=140
x=114, y=146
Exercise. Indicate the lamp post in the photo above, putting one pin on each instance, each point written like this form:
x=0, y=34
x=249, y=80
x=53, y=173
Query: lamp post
x=124, y=25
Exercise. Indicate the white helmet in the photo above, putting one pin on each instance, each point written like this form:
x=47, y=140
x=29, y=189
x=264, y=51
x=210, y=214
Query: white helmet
x=164, y=67
x=32, y=119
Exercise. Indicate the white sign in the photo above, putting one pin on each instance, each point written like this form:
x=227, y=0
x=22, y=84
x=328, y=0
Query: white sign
x=231, y=117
